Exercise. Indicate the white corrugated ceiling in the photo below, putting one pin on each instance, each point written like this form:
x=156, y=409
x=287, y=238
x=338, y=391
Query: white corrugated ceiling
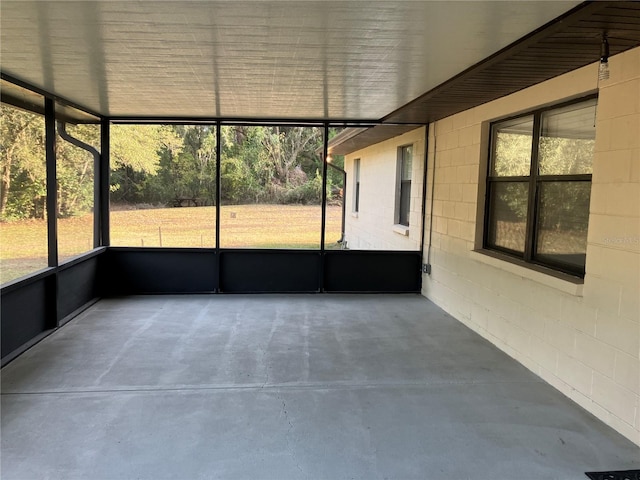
x=263, y=59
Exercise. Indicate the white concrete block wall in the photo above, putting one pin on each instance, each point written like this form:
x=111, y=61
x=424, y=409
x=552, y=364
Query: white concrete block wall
x=373, y=226
x=584, y=339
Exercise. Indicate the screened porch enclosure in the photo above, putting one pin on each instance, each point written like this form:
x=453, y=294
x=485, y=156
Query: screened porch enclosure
x=150, y=207
x=142, y=177
x=238, y=208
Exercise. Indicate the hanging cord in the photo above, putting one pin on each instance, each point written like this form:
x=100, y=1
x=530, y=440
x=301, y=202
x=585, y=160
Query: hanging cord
x=603, y=69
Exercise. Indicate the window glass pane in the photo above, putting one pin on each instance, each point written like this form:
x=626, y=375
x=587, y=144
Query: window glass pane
x=512, y=142
x=23, y=225
x=75, y=172
x=567, y=140
x=407, y=157
x=508, y=215
x=405, y=202
x=271, y=186
x=163, y=185
x=563, y=219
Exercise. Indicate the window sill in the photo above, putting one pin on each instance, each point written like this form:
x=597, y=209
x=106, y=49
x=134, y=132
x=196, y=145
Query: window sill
x=401, y=230
x=354, y=214
x=545, y=276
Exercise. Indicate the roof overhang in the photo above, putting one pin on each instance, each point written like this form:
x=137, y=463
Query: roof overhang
x=569, y=42
x=353, y=139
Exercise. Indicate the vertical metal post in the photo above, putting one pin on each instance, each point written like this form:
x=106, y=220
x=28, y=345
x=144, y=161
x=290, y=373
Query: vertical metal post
x=218, y=199
x=323, y=223
x=52, y=190
x=344, y=206
x=325, y=150
x=97, y=211
x=51, y=283
x=424, y=192
x=530, y=240
x=218, y=177
x=103, y=186
x=433, y=191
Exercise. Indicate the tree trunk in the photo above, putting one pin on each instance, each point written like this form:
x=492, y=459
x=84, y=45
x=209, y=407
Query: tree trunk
x=6, y=170
x=6, y=184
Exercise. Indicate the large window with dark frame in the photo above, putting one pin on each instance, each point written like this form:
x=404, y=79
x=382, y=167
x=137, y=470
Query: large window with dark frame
x=539, y=186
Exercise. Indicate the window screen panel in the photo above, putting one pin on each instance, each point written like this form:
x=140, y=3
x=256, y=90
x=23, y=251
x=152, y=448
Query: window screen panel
x=23, y=225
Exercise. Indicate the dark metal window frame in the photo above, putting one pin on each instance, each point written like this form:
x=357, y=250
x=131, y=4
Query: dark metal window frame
x=400, y=183
x=356, y=186
x=534, y=181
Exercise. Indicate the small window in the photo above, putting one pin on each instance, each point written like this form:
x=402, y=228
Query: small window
x=539, y=186
x=356, y=185
x=403, y=205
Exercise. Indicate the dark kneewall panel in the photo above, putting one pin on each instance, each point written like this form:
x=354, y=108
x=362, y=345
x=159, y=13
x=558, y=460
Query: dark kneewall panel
x=130, y=271
x=269, y=271
x=371, y=271
x=37, y=305
x=133, y=271
x=27, y=311
x=77, y=286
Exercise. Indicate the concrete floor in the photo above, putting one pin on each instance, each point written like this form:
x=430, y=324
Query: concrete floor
x=287, y=387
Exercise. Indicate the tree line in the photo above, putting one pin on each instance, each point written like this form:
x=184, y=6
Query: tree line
x=157, y=165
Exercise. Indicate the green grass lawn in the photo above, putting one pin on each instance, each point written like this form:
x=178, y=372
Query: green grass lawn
x=23, y=245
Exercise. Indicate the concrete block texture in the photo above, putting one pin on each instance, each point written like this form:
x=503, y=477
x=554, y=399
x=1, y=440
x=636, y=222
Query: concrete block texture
x=583, y=338
x=372, y=229
x=620, y=101
x=613, y=166
x=290, y=387
x=618, y=400
x=619, y=333
x=627, y=371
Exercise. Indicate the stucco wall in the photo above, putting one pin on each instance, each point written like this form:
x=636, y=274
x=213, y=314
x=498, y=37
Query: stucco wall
x=373, y=226
x=581, y=338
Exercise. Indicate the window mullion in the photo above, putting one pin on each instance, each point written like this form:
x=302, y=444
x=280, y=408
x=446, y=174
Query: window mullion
x=583, y=177
x=533, y=190
x=488, y=202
